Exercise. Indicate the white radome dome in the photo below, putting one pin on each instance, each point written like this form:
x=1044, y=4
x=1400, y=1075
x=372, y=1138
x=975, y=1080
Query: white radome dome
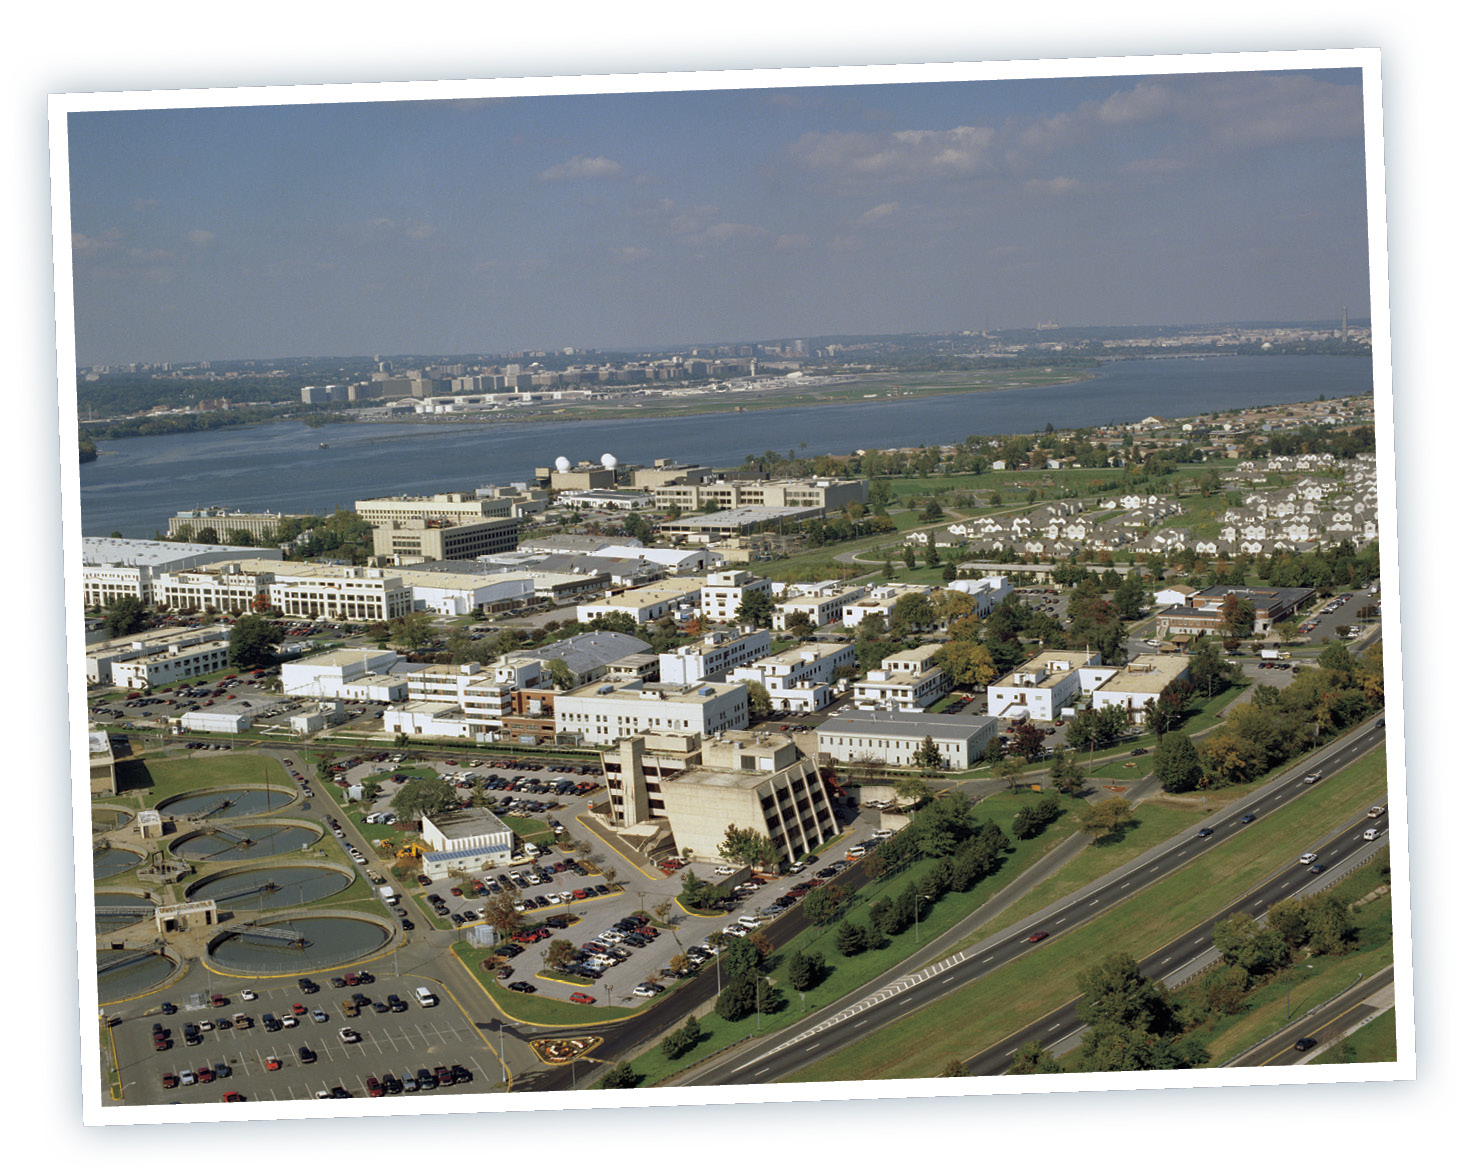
x=562, y=464
x=608, y=460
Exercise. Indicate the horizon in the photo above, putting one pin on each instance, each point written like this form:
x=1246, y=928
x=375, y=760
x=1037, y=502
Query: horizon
x=486, y=221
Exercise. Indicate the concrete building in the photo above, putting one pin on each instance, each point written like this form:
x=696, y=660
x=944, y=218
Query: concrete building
x=589, y=655
x=603, y=713
x=730, y=523
x=350, y=674
x=451, y=701
x=458, y=587
x=665, y=471
x=114, y=568
x=798, y=679
x=1203, y=614
x=822, y=494
x=896, y=738
x=644, y=604
x=224, y=521
x=101, y=658
x=101, y=763
x=454, y=509
x=1140, y=681
x=465, y=841
x=823, y=603
x=180, y=660
x=879, y=601
x=683, y=792
x=711, y=658
x=413, y=540
x=1041, y=687
x=725, y=591
x=905, y=680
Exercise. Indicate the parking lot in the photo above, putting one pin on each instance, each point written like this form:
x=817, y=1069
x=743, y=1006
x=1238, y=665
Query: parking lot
x=304, y=1056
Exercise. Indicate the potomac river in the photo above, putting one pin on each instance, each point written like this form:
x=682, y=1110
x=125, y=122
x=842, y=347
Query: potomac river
x=138, y=483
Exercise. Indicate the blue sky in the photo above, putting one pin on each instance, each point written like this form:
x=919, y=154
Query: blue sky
x=660, y=219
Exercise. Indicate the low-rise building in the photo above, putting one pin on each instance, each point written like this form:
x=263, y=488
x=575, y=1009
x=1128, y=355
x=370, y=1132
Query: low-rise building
x=897, y=738
x=103, y=657
x=823, y=603
x=798, y=679
x=349, y=674
x=714, y=656
x=644, y=604
x=603, y=713
x=1041, y=687
x=468, y=840
x=180, y=660
x=1141, y=681
x=905, y=680
x=412, y=540
x=725, y=591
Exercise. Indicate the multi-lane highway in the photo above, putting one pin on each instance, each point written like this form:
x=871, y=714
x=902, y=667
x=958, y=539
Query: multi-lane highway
x=779, y=1057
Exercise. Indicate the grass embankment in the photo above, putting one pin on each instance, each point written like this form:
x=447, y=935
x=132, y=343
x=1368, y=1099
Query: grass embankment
x=533, y=1008
x=984, y=1012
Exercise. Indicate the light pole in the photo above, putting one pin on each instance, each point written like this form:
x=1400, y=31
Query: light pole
x=919, y=899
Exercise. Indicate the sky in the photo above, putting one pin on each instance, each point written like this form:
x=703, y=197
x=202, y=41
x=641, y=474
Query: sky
x=663, y=219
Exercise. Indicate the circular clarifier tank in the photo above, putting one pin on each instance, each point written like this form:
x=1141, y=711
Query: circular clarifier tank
x=246, y=890
x=121, y=974
x=290, y=945
x=244, y=841
x=113, y=911
x=113, y=862
x=226, y=802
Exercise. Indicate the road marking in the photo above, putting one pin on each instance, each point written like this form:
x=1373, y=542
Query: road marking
x=989, y=957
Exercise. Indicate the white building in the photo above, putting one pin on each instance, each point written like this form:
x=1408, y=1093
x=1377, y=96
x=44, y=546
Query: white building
x=896, y=738
x=799, y=679
x=601, y=714
x=879, y=601
x=179, y=661
x=905, y=680
x=712, y=657
x=644, y=604
x=823, y=603
x=1140, y=681
x=351, y=674
x=113, y=568
x=725, y=592
x=464, y=841
x=986, y=593
x=451, y=701
x=1040, y=688
x=102, y=658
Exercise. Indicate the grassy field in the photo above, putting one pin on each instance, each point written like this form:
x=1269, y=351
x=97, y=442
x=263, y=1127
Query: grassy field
x=984, y=1012
x=149, y=781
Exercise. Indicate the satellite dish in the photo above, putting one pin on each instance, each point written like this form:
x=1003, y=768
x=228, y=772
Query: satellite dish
x=608, y=460
x=562, y=464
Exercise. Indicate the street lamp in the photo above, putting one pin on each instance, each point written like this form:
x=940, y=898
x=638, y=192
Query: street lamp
x=919, y=899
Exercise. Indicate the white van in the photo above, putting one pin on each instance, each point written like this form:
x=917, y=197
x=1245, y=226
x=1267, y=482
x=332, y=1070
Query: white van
x=425, y=998
x=1371, y=834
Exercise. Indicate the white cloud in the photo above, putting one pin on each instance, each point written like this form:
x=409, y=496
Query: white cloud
x=1059, y=185
x=200, y=237
x=583, y=167
x=630, y=253
x=958, y=151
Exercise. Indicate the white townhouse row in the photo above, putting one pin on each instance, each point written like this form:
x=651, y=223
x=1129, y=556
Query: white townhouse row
x=823, y=603
x=909, y=680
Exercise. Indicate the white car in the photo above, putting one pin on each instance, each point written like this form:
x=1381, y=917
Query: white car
x=289, y=1021
x=1307, y=858
x=724, y=870
x=647, y=989
x=349, y=1035
x=248, y=996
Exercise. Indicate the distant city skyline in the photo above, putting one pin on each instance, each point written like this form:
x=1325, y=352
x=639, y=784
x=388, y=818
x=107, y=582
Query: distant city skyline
x=644, y=221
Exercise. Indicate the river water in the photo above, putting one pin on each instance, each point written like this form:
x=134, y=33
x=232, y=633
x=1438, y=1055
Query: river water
x=138, y=483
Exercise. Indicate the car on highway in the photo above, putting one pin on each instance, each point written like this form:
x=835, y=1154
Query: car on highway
x=1375, y=812
x=1312, y=776
x=1307, y=858
x=1249, y=817
x=1304, y=1044
x=1038, y=935
x=1204, y=832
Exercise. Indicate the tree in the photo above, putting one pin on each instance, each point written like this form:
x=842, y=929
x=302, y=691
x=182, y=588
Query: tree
x=1065, y=771
x=698, y=893
x=1012, y=771
x=1115, y=994
x=252, y=642
x=805, y=970
x=621, y=1076
x=500, y=913
x=746, y=846
x=755, y=609
x=412, y=630
x=423, y=796
x=681, y=1041
x=911, y=613
x=928, y=756
x=799, y=625
x=849, y=939
x=1104, y=818
x=1178, y=763
x=1242, y=941
x=560, y=674
x=125, y=615
x=824, y=904
x=760, y=705
x=1032, y=1059
x=560, y=952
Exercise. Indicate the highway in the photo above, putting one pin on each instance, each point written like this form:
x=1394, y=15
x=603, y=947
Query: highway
x=780, y=1057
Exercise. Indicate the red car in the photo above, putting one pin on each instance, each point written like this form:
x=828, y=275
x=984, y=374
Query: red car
x=1039, y=936
x=205, y=1075
x=298, y=1009
x=373, y=1086
x=170, y=1080
x=582, y=997
x=233, y=1097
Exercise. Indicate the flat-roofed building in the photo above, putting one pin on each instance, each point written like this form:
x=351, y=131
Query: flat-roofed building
x=1142, y=680
x=101, y=658
x=469, y=840
x=896, y=738
x=602, y=713
x=101, y=763
x=879, y=601
x=688, y=791
x=214, y=589
x=186, y=524
x=452, y=701
x=1041, y=687
x=822, y=494
x=905, y=680
x=350, y=674
x=1203, y=613
x=729, y=523
x=452, y=508
x=410, y=540
x=116, y=568
x=798, y=679
x=459, y=587
x=823, y=603
x=179, y=661
x=725, y=591
x=644, y=604
x=711, y=658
